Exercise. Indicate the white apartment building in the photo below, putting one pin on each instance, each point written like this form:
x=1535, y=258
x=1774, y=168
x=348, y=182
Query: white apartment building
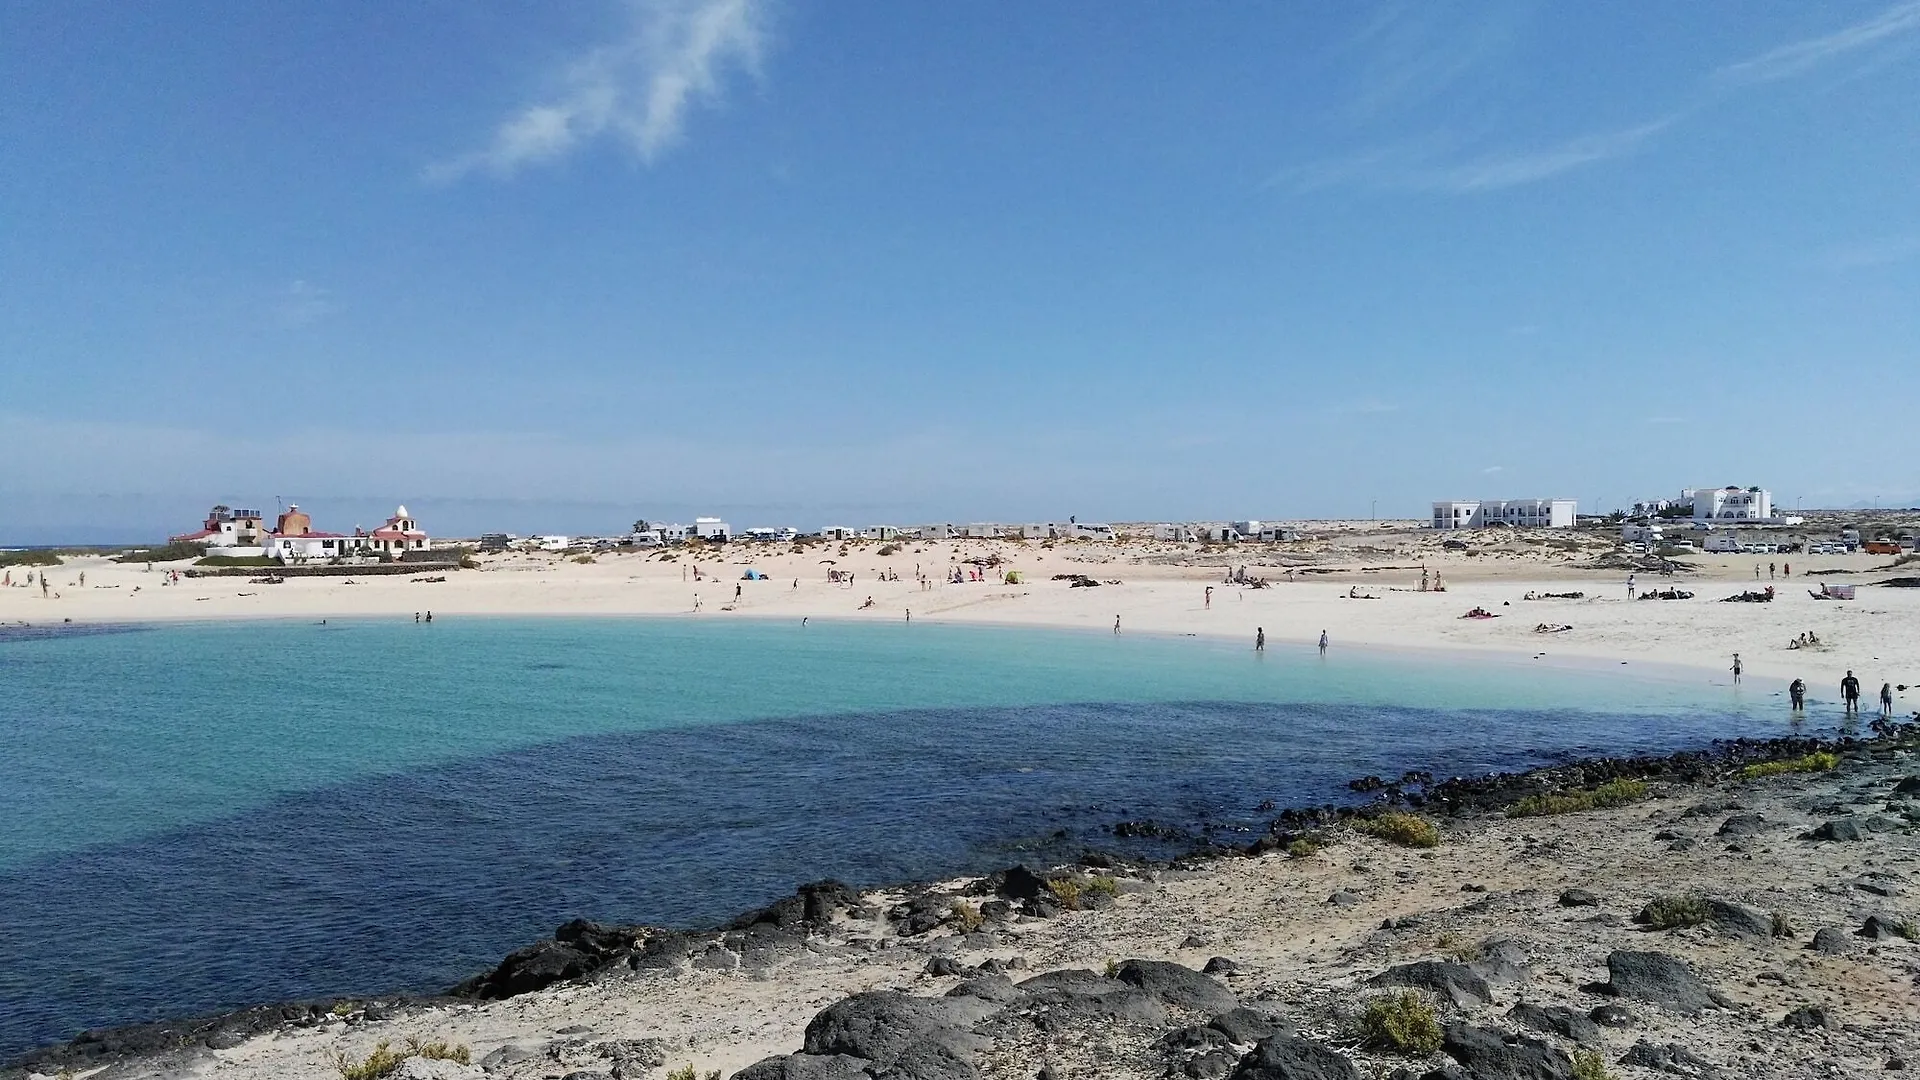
x=1730, y=503
x=1515, y=513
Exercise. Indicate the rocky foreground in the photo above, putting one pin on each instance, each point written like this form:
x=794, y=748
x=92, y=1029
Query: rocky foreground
x=1721, y=926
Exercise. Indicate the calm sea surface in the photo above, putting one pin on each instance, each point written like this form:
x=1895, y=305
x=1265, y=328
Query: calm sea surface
x=201, y=817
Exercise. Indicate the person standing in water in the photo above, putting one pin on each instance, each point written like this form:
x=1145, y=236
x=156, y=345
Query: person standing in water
x=1260, y=639
x=1736, y=669
x=1323, y=643
x=1850, y=692
x=1797, y=694
x=1116, y=624
x=1886, y=700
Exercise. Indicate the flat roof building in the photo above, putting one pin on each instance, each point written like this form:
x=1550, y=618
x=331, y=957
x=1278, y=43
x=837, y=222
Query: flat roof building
x=1513, y=513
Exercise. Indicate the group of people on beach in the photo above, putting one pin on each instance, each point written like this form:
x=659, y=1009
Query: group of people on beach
x=1849, y=692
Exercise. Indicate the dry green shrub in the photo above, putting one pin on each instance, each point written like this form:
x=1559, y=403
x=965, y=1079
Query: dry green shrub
x=1819, y=761
x=1674, y=912
x=967, y=918
x=384, y=1061
x=1611, y=793
x=1302, y=848
x=1588, y=1065
x=1403, y=1023
x=1399, y=827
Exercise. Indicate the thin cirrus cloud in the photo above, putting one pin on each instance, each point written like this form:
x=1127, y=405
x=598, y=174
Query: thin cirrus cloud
x=1800, y=57
x=675, y=55
x=1430, y=164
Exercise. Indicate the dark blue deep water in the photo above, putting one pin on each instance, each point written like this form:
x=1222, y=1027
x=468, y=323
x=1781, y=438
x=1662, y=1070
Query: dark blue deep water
x=197, y=818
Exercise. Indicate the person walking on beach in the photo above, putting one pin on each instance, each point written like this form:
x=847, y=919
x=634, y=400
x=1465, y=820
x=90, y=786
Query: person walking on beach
x=1786, y=569
x=1886, y=700
x=1850, y=692
x=1209, y=604
x=1756, y=571
x=1323, y=643
x=1769, y=571
x=736, y=592
x=909, y=615
x=1629, y=586
x=1736, y=669
x=1797, y=693
x=83, y=579
x=1260, y=639
x=1116, y=624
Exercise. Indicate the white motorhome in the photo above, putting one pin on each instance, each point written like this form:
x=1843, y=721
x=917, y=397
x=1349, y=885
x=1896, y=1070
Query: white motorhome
x=1179, y=534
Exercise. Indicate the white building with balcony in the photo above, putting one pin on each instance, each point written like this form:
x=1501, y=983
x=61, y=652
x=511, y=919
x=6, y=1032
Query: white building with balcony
x=1730, y=504
x=1513, y=513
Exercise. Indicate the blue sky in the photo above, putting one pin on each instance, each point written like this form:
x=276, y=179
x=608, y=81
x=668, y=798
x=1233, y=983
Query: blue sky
x=554, y=266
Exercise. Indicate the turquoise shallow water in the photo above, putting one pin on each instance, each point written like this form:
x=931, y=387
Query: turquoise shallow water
x=286, y=809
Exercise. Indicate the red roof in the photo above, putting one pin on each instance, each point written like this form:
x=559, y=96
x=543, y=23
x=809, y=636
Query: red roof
x=188, y=537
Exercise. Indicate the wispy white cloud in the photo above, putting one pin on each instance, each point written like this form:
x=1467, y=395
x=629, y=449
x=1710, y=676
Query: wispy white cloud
x=1491, y=469
x=1435, y=164
x=1800, y=57
x=1411, y=168
x=302, y=304
x=1513, y=169
x=675, y=55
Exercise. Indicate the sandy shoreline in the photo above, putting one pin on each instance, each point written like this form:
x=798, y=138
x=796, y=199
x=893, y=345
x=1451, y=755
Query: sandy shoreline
x=1877, y=635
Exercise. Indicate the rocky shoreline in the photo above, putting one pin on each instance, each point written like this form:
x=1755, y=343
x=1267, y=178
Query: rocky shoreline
x=1200, y=1018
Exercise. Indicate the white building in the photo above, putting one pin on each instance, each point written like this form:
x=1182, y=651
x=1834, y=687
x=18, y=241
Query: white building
x=1730, y=504
x=711, y=528
x=1515, y=513
x=294, y=539
x=234, y=533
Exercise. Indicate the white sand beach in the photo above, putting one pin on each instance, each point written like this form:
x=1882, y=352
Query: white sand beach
x=1162, y=589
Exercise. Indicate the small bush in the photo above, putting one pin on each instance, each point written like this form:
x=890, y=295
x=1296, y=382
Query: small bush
x=168, y=553
x=1402, y=1023
x=29, y=558
x=686, y=1072
x=1819, y=761
x=585, y=560
x=1104, y=885
x=888, y=549
x=1674, y=912
x=1907, y=929
x=1588, y=1065
x=1454, y=947
x=1067, y=891
x=385, y=1060
x=468, y=562
x=1611, y=793
x=967, y=918
x=1113, y=968
x=1397, y=827
x=1781, y=927
x=1302, y=848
